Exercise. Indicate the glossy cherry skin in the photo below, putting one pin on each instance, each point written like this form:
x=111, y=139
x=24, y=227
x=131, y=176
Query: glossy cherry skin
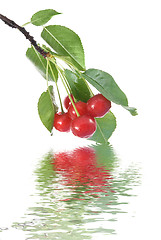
x=67, y=101
x=98, y=105
x=81, y=108
x=83, y=126
x=62, y=122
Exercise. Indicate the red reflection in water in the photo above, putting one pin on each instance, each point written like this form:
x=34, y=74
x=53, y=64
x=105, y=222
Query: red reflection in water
x=79, y=168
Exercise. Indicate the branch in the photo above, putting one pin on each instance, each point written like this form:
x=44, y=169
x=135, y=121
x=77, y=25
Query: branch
x=12, y=24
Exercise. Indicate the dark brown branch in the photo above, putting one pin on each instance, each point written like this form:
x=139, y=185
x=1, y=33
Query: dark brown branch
x=12, y=24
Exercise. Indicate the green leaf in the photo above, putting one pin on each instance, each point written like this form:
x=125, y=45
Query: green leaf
x=41, y=63
x=66, y=43
x=47, y=108
x=43, y=16
x=78, y=86
x=105, y=128
x=106, y=85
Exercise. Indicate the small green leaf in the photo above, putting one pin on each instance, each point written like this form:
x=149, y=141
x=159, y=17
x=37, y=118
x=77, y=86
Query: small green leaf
x=78, y=86
x=47, y=108
x=43, y=16
x=105, y=128
x=41, y=63
x=66, y=43
x=106, y=85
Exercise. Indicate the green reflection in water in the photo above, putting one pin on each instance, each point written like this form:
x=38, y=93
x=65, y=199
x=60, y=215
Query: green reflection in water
x=79, y=194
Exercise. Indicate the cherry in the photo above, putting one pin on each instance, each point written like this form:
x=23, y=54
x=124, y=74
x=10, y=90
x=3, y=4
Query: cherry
x=83, y=126
x=81, y=108
x=67, y=101
x=62, y=122
x=98, y=105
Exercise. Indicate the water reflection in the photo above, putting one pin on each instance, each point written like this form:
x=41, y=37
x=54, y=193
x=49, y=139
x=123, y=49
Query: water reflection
x=78, y=194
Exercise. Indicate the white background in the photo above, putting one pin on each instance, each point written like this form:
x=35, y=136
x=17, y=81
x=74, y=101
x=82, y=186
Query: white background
x=120, y=37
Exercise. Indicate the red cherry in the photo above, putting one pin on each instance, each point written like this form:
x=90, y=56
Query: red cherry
x=67, y=101
x=62, y=122
x=81, y=108
x=83, y=126
x=98, y=105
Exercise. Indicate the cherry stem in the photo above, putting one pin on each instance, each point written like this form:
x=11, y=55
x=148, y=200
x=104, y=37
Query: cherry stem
x=80, y=74
x=73, y=68
x=47, y=73
x=64, y=83
x=61, y=105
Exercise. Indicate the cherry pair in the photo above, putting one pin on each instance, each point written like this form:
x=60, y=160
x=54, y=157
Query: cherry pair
x=85, y=125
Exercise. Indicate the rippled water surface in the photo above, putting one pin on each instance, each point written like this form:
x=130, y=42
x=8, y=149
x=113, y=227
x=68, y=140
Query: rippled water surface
x=80, y=194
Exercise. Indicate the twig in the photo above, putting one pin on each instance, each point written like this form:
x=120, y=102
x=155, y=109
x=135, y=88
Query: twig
x=12, y=24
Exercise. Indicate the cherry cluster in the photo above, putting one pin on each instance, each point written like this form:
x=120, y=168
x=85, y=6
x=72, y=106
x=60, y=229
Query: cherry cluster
x=83, y=125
